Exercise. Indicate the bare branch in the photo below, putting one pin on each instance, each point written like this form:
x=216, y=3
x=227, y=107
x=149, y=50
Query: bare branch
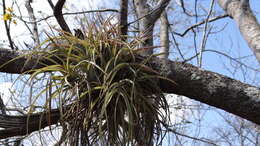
x=190, y=137
x=71, y=13
x=247, y=23
x=34, y=25
x=59, y=16
x=123, y=18
x=23, y=125
x=164, y=35
x=159, y=8
x=51, y=4
x=147, y=18
x=19, y=62
x=7, y=28
x=2, y=106
x=204, y=40
x=211, y=88
x=201, y=23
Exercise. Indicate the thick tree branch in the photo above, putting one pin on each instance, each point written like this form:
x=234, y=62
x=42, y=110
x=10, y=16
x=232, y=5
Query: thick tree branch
x=158, y=9
x=51, y=4
x=2, y=106
x=23, y=125
x=123, y=18
x=18, y=62
x=147, y=17
x=211, y=88
x=59, y=16
x=164, y=36
x=242, y=14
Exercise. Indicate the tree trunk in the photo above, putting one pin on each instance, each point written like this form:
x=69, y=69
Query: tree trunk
x=247, y=23
x=164, y=36
x=148, y=16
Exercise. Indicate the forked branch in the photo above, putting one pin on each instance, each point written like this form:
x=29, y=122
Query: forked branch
x=59, y=16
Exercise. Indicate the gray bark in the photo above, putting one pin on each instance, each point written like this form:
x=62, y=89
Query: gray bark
x=164, y=36
x=211, y=88
x=123, y=18
x=34, y=24
x=18, y=62
x=26, y=124
x=148, y=16
x=247, y=23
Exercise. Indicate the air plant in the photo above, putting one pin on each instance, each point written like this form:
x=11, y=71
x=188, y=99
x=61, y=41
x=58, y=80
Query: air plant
x=107, y=94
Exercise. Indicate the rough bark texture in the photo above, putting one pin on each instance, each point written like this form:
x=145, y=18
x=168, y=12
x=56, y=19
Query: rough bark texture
x=211, y=88
x=18, y=62
x=148, y=17
x=145, y=25
x=247, y=23
x=23, y=125
x=123, y=18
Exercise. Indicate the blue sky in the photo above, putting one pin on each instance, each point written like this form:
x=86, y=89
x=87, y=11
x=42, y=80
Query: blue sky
x=228, y=41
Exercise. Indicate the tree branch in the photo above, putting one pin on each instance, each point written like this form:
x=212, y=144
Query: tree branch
x=71, y=13
x=200, y=23
x=59, y=16
x=123, y=18
x=19, y=62
x=51, y=4
x=147, y=18
x=211, y=88
x=34, y=25
x=26, y=124
x=247, y=23
x=7, y=28
x=159, y=8
x=164, y=36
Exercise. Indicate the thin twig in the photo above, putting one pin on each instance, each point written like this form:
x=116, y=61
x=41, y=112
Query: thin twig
x=25, y=24
x=71, y=13
x=190, y=137
x=204, y=40
x=200, y=23
x=7, y=28
x=155, y=10
x=176, y=44
x=184, y=9
x=223, y=54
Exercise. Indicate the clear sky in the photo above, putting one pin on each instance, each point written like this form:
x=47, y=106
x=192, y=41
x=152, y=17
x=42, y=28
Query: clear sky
x=228, y=40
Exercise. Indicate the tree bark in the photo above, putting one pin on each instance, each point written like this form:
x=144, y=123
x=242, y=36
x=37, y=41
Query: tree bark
x=57, y=12
x=19, y=62
x=148, y=16
x=123, y=18
x=164, y=36
x=32, y=18
x=26, y=124
x=211, y=88
x=247, y=23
